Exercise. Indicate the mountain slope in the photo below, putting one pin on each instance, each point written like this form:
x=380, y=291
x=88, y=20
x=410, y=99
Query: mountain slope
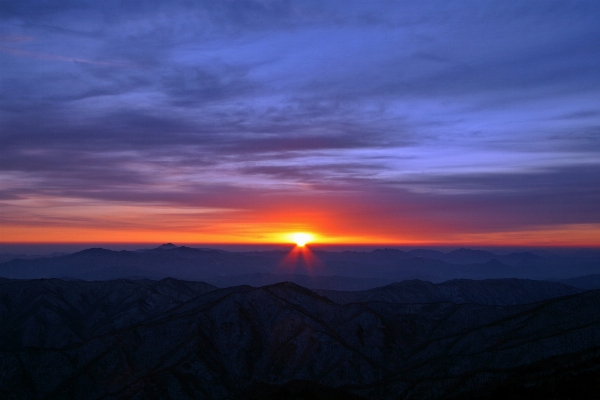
x=490, y=291
x=588, y=282
x=56, y=313
x=241, y=341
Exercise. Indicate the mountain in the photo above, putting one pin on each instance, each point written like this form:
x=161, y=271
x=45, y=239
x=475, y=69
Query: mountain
x=346, y=270
x=468, y=256
x=588, y=282
x=522, y=258
x=502, y=292
x=166, y=246
x=57, y=313
x=165, y=261
x=4, y=257
x=187, y=340
x=311, y=282
x=425, y=253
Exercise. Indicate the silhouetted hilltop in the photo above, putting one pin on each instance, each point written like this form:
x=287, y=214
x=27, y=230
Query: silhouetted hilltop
x=166, y=246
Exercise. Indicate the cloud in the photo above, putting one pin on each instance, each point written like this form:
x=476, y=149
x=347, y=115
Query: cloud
x=467, y=112
x=51, y=57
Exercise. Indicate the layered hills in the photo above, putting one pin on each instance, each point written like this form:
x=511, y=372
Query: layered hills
x=187, y=340
x=176, y=322
x=318, y=269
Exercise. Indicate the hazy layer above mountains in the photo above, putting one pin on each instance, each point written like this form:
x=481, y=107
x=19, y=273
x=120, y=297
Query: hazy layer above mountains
x=347, y=270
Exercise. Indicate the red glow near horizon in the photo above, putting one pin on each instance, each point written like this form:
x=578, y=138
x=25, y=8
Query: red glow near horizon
x=343, y=223
x=300, y=257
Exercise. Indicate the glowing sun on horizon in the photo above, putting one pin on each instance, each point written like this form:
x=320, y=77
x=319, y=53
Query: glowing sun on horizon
x=301, y=238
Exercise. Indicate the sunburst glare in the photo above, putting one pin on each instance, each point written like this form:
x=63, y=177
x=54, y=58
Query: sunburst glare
x=301, y=238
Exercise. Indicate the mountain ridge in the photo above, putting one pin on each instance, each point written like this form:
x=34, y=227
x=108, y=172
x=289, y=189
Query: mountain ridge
x=200, y=341
x=225, y=268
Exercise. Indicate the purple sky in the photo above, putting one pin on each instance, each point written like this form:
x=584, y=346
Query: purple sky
x=239, y=121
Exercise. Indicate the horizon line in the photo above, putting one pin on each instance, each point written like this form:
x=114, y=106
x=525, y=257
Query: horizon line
x=323, y=244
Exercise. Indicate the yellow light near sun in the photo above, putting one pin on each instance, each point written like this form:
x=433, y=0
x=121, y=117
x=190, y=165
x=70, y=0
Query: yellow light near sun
x=301, y=238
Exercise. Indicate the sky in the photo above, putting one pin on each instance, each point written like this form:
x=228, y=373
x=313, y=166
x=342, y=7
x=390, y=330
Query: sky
x=393, y=122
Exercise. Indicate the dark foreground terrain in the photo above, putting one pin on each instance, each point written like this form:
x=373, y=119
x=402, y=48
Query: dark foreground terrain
x=491, y=339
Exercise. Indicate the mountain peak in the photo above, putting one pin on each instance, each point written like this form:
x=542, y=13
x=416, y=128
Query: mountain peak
x=466, y=251
x=495, y=263
x=167, y=246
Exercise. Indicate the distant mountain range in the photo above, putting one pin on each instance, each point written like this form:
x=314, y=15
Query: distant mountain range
x=173, y=339
x=501, y=292
x=347, y=270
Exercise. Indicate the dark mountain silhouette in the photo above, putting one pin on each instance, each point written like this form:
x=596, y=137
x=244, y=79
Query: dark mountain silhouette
x=166, y=246
x=425, y=253
x=56, y=313
x=347, y=270
x=311, y=282
x=187, y=340
x=502, y=292
x=97, y=263
x=4, y=257
x=468, y=256
x=522, y=258
x=588, y=282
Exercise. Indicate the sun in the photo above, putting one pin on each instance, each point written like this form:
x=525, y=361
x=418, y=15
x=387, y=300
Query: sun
x=301, y=238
